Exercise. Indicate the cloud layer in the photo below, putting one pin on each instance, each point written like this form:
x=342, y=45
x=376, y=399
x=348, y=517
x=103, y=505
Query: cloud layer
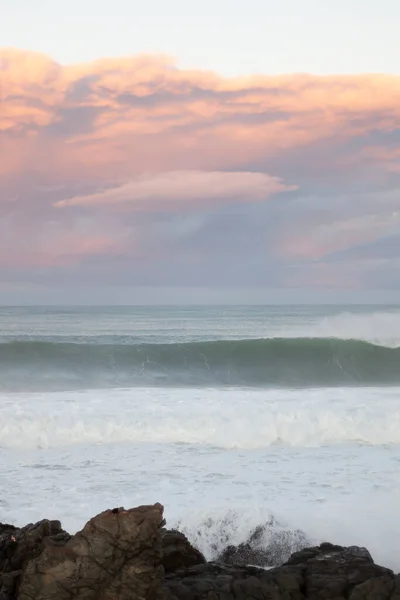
x=133, y=171
x=179, y=189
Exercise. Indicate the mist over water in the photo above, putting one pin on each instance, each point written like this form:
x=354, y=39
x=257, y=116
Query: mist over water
x=231, y=417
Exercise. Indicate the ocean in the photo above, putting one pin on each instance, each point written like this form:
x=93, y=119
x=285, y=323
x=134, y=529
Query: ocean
x=231, y=417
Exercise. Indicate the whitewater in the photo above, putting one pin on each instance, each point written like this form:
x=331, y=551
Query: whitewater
x=232, y=417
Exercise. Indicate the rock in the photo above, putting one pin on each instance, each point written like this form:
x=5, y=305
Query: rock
x=265, y=547
x=19, y=546
x=325, y=572
x=327, y=550
x=178, y=553
x=116, y=556
x=378, y=588
x=245, y=554
x=336, y=570
x=221, y=582
x=121, y=555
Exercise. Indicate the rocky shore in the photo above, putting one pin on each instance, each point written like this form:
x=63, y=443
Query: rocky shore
x=130, y=555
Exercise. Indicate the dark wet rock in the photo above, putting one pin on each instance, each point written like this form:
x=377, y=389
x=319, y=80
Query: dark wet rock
x=326, y=550
x=265, y=547
x=378, y=588
x=178, y=553
x=245, y=554
x=325, y=572
x=19, y=545
x=335, y=572
x=220, y=582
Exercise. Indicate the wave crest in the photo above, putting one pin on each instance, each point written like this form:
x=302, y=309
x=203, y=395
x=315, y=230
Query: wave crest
x=297, y=362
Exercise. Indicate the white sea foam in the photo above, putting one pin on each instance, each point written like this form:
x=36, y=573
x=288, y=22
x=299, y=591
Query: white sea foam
x=228, y=418
x=343, y=493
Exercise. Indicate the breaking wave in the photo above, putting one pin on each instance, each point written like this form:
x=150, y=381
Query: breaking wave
x=274, y=362
x=189, y=418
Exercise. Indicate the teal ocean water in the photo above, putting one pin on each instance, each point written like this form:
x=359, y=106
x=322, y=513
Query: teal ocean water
x=58, y=349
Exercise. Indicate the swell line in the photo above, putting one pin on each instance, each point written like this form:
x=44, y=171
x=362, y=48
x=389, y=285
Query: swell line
x=250, y=362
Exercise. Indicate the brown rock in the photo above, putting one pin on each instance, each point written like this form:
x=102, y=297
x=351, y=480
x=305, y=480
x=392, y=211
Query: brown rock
x=116, y=556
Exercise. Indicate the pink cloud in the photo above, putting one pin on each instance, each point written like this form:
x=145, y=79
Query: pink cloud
x=316, y=240
x=181, y=188
x=66, y=250
x=389, y=158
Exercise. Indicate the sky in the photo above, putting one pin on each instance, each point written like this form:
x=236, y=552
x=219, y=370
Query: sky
x=241, y=152
x=231, y=37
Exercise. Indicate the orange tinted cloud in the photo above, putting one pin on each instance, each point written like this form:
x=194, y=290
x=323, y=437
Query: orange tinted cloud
x=138, y=114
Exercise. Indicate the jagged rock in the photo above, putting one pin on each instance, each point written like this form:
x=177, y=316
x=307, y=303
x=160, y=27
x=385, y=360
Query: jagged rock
x=178, y=553
x=116, y=556
x=19, y=545
x=335, y=570
x=325, y=572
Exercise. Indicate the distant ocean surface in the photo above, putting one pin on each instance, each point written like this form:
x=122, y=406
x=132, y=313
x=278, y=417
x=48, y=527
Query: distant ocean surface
x=232, y=417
